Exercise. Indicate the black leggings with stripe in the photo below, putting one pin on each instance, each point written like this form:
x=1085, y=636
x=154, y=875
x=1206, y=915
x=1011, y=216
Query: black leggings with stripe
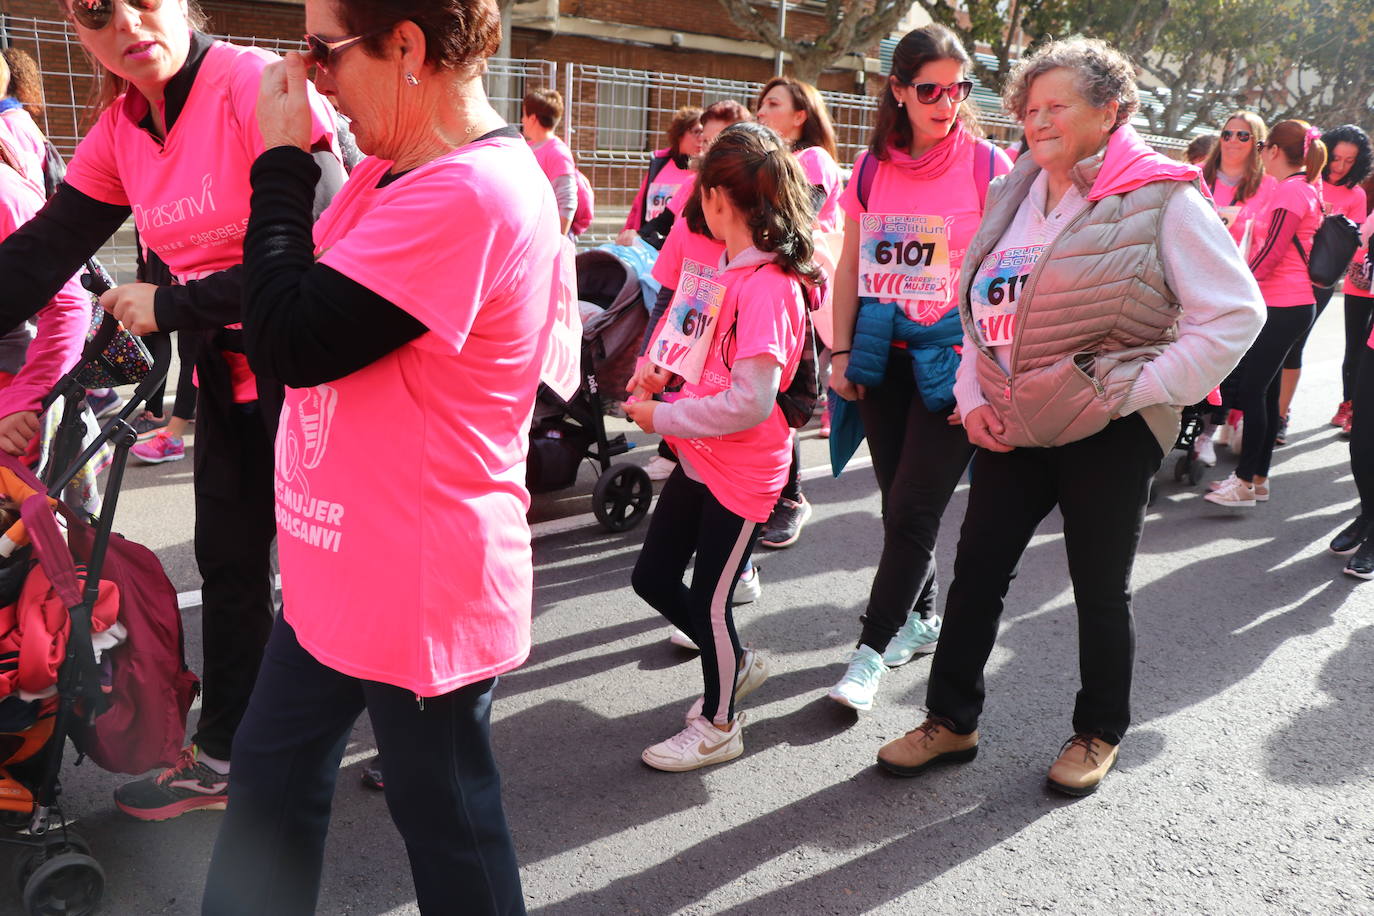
x=689, y=521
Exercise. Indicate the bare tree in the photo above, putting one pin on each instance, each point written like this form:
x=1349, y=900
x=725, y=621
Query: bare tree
x=851, y=26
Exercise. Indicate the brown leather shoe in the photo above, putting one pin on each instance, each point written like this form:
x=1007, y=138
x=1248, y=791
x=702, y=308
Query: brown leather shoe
x=929, y=743
x=1083, y=763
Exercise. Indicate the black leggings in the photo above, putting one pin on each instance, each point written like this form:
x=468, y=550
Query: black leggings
x=1362, y=434
x=689, y=521
x=1359, y=315
x=1257, y=387
x=1294, y=358
x=918, y=459
x=792, y=489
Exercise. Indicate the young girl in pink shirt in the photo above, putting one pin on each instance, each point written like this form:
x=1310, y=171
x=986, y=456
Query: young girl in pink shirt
x=732, y=440
x=1295, y=156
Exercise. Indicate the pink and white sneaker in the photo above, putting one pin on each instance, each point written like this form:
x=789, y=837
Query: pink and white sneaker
x=159, y=448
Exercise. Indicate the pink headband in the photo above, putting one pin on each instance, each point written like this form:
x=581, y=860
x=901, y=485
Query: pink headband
x=1313, y=133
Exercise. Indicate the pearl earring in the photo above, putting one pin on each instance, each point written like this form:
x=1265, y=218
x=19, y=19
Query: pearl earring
x=901, y=104
x=410, y=78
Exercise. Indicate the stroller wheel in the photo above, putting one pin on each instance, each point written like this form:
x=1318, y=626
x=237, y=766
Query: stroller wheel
x=621, y=497
x=1195, y=472
x=57, y=843
x=1183, y=468
x=68, y=884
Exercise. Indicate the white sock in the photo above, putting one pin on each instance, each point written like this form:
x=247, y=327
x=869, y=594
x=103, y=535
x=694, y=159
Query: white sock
x=219, y=766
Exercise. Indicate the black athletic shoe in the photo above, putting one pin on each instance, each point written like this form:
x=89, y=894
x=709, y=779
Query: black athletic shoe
x=1355, y=534
x=372, y=774
x=1361, y=565
x=1281, y=437
x=785, y=523
x=187, y=786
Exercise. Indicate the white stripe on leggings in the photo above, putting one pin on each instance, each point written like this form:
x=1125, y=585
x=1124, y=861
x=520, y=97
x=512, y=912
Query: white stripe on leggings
x=720, y=633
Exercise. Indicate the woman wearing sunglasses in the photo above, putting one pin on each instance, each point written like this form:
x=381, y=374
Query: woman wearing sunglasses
x=1234, y=173
x=416, y=594
x=914, y=200
x=173, y=143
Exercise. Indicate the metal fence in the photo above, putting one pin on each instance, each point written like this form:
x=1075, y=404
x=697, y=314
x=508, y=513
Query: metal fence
x=614, y=117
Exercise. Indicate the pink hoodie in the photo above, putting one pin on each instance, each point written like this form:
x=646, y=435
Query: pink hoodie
x=1130, y=164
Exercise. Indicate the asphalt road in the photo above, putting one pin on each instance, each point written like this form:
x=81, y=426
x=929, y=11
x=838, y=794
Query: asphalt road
x=1244, y=787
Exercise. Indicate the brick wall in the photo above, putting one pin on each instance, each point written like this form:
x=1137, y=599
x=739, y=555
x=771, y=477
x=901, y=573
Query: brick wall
x=705, y=17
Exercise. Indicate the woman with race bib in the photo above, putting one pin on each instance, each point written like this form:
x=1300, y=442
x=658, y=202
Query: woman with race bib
x=913, y=203
x=736, y=341
x=669, y=170
x=176, y=136
x=797, y=113
x=1130, y=298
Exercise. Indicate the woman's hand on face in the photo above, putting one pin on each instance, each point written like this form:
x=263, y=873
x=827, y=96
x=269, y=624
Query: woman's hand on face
x=841, y=385
x=642, y=413
x=283, y=106
x=17, y=431
x=983, y=428
x=133, y=306
x=626, y=238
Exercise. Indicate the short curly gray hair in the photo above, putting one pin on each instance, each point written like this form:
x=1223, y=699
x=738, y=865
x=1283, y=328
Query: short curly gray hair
x=1104, y=75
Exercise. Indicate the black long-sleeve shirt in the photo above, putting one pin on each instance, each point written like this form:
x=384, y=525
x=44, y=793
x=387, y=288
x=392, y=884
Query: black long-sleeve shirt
x=305, y=323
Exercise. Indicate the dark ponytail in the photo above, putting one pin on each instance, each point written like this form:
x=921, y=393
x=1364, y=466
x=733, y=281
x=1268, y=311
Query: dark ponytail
x=916, y=49
x=753, y=166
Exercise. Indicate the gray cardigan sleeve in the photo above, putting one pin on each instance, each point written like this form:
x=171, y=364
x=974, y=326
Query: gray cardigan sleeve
x=748, y=401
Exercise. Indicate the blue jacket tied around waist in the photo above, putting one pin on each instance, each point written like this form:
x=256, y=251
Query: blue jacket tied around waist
x=933, y=357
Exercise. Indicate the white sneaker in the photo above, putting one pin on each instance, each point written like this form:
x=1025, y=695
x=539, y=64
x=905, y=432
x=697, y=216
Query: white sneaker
x=1261, y=489
x=683, y=641
x=859, y=685
x=916, y=637
x=1233, y=492
x=1204, y=451
x=699, y=744
x=753, y=671
x=748, y=588
x=660, y=468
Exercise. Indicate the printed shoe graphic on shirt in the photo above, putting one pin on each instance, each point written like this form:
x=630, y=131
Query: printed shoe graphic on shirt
x=317, y=416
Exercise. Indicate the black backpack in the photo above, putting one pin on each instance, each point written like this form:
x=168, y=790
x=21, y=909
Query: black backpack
x=1333, y=246
x=798, y=400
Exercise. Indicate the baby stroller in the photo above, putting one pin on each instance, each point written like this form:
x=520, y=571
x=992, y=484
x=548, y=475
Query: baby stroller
x=564, y=433
x=54, y=869
x=1187, y=467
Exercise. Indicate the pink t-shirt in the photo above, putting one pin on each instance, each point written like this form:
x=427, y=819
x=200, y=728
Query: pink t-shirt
x=661, y=191
x=953, y=196
x=1237, y=216
x=555, y=158
x=681, y=246
x=762, y=314
x=25, y=140
x=821, y=170
x=190, y=194
x=415, y=569
x=1288, y=284
x=61, y=324
x=1352, y=203
x=684, y=194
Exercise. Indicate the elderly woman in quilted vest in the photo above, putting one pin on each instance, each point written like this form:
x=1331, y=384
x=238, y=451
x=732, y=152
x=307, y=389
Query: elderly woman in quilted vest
x=1100, y=292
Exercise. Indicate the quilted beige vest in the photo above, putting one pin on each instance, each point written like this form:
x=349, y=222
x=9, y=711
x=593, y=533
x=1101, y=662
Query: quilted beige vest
x=1094, y=310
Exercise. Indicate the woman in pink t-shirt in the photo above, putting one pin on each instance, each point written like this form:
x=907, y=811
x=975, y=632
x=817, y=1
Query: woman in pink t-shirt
x=1295, y=155
x=796, y=111
x=172, y=145
x=737, y=340
x=406, y=584
x=669, y=170
x=922, y=181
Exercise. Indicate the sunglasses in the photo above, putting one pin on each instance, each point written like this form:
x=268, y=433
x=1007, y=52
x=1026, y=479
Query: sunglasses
x=929, y=93
x=323, y=53
x=96, y=14
x=1242, y=135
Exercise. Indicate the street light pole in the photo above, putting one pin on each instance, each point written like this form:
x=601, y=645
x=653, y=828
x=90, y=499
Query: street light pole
x=782, y=32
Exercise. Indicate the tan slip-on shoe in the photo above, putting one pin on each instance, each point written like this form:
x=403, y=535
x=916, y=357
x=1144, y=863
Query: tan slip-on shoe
x=929, y=743
x=1083, y=763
